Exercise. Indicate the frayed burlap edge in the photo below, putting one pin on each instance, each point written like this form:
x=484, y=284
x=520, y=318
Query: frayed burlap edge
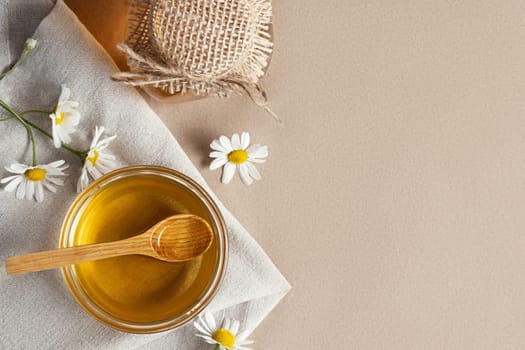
x=148, y=67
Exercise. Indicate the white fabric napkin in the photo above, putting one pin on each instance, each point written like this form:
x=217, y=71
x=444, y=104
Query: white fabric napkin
x=37, y=310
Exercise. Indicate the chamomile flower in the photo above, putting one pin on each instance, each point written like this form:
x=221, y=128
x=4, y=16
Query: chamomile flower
x=226, y=335
x=98, y=161
x=236, y=153
x=64, y=118
x=30, y=44
x=29, y=181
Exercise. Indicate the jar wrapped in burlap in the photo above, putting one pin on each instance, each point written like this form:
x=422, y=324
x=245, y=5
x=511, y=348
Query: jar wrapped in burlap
x=204, y=47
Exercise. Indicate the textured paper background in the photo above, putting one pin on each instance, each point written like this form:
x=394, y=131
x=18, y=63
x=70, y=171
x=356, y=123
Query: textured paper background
x=393, y=198
x=398, y=178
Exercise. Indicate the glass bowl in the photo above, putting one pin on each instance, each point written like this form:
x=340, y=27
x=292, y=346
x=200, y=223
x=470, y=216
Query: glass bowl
x=134, y=293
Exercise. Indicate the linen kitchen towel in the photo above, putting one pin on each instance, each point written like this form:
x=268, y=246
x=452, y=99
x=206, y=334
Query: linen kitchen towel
x=36, y=310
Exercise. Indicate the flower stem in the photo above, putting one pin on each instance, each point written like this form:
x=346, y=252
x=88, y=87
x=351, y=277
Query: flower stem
x=6, y=119
x=28, y=125
x=217, y=347
x=36, y=111
x=76, y=152
x=19, y=62
x=24, y=123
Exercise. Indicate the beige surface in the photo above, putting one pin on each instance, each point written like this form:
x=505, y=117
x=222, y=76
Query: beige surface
x=393, y=196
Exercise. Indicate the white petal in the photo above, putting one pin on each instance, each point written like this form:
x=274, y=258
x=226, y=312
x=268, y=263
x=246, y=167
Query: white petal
x=257, y=151
x=106, y=166
x=263, y=152
x=244, y=348
x=64, y=136
x=39, y=192
x=57, y=141
x=245, y=140
x=9, y=178
x=73, y=120
x=253, y=148
x=104, y=161
x=64, y=94
x=252, y=170
x=30, y=190
x=61, y=134
x=256, y=160
x=21, y=190
x=57, y=163
x=17, y=168
x=50, y=187
x=57, y=136
x=67, y=129
x=227, y=173
x=55, y=171
x=106, y=156
x=73, y=104
x=94, y=172
x=210, y=320
x=203, y=336
x=216, y=145
x=206, y=339
x=245, y=177
x=83, y=181
x=68, y=106
x=103, y=144
x=242, y=337
x=217, y=154
x=225, y=142
x=234, y=328
x=80, y=185
x=10, y=187
x=205, y=325
x=60, y=169
x=103, y=169
x=70, y=125
x=226, y=323
x=236, y=141
x=55, y=181
x=98, y=133
x=52, y=171
x=217, y=163
x=200, y=328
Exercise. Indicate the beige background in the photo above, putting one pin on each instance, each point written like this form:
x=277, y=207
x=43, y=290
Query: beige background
x=393, y=198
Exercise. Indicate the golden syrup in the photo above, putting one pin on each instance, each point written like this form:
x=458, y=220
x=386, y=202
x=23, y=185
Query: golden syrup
x=138, y=288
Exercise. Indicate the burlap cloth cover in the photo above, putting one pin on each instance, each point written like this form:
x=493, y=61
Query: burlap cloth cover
x=36, y=310
x=207, y=47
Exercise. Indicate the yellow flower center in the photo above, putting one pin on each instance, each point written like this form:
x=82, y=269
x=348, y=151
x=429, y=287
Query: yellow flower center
x=35, y=174
x=224, y=337
x=93, y=159
x=59, y=118
x=238, y=156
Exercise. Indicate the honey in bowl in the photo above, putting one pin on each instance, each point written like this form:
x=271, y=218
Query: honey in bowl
x=138, y=293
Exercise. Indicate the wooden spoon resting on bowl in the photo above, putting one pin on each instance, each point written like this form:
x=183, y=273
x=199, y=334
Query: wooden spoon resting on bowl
x=175, y=239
